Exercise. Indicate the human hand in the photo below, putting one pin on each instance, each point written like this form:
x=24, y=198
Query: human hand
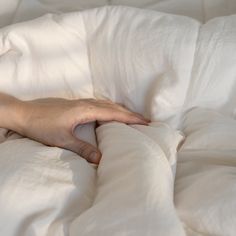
x=52, y=121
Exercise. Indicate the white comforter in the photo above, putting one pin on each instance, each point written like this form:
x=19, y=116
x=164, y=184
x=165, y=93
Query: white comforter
x=12, y=11
x=157, y=64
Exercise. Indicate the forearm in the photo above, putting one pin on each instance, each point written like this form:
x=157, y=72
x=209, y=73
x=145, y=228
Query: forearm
x=11, y=112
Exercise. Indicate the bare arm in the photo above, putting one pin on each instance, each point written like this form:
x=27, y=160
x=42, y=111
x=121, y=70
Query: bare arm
x=11, y=113
x=52, y=120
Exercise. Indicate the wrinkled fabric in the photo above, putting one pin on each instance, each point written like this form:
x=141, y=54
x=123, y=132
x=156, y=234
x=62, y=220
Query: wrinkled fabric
x=205, y=186
x=160, y=65
x=42, y=189
x=14, y=11
x=135, y=182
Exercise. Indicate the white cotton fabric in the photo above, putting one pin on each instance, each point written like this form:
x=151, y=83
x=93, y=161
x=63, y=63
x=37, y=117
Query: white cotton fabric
x=134, y=183
x=213, y=74
x=13, y=11
x=149, y=66
x=205, y=186
x=42, y=189
x=145, y=65
x=46, y=57
x=214, y=128
x=158, y=64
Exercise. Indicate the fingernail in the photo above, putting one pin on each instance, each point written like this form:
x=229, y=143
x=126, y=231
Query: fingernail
x=143, y=118
x=94, y=157
x=145, y=123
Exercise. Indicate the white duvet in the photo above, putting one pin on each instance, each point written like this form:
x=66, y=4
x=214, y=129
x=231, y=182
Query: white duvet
x=205, y=186
x=157, y=64
x=13, y=11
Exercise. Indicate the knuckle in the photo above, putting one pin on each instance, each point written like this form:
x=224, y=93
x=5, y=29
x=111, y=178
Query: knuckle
x=83, y=150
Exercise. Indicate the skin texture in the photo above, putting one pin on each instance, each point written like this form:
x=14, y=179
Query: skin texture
x=52, y=121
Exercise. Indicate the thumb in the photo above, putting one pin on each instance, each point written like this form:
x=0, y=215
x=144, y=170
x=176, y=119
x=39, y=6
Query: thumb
x=84, y=149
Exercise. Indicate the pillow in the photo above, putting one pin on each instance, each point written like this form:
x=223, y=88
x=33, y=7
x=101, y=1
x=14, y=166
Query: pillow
x=142, y=59
x=158, y=64
x=46, y=57
x=28, y=9
x=42, y=189
x=213, y=80
x=134, y=183
x=145, y=64
x=205, y=186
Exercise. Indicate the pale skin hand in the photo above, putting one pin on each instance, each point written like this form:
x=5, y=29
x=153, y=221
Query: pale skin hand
x=52, y=121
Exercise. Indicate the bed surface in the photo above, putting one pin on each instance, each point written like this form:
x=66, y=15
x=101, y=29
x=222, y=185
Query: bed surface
x=151, y=196
x=13, y=11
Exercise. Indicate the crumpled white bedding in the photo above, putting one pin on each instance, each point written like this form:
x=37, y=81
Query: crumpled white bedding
x=160, y=65
x=205, y=186
x=134, y=183
x=42, y=189
x=13, y=11
x=46, y=191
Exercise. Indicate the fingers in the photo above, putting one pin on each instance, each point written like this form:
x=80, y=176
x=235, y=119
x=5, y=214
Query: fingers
x=84, y=149
x=105, y=110
x=120, y=116
x=128, y=112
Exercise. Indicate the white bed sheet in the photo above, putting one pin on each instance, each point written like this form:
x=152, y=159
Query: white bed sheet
x=65, y=41
x=13, y=11
x=183, y=200
x=205, y=186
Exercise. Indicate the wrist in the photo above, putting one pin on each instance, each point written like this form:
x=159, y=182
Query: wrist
x=11, y=113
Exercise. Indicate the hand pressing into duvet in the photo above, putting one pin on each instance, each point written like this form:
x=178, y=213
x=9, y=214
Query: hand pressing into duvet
x=52, y=121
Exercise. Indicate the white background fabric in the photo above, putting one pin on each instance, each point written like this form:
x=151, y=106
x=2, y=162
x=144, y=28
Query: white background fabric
x=13, y=11
x=42, y=189
x=135, y=183
x=205, y=182
x=206, y=158
x=148, y=61
x=24, y=67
